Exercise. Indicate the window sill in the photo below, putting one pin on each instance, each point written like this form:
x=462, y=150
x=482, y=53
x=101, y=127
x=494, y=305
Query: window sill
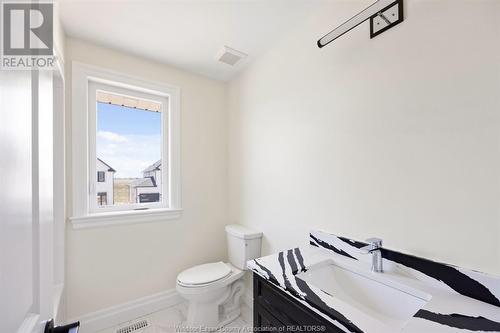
x=124, y=217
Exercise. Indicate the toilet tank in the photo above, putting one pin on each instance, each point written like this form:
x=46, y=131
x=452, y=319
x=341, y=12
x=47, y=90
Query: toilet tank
x=243, y=244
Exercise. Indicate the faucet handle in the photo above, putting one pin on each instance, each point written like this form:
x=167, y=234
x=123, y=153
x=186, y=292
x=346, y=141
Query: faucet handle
x=375, y=242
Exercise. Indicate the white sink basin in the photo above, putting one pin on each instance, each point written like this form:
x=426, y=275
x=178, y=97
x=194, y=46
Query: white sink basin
x=380, y=298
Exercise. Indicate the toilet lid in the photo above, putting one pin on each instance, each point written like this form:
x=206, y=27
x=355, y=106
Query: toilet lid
x=203, y=274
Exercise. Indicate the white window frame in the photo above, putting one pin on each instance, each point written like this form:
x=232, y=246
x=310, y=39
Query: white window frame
x=83, y=144
x=94, y=87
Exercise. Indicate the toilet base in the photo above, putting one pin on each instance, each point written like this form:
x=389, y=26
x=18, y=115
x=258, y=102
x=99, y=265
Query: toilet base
x=215, y=312
x=231, y=309
x=213, y=308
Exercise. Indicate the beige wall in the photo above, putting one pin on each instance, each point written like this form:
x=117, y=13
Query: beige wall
x=396, y=137
x=112, y=265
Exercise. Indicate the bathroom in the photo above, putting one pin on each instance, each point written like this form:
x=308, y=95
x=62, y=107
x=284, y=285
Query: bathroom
x=282, y=155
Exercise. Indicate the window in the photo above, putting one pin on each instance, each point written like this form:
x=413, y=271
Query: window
x=102, y=198
x=126, y=149
x=149, y=197
x=127, y=139
x=101, y=176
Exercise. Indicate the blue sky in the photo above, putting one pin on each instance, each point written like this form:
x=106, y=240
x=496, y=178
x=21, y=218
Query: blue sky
x=125, y=121
x=128, y=139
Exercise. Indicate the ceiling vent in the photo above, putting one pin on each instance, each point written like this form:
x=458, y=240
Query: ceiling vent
x=134, y=327
x=230, y=56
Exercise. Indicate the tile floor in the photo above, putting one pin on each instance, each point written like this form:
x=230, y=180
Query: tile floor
x=170, y=321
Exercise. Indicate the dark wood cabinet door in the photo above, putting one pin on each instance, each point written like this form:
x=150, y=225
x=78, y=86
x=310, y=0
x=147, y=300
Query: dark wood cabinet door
x=276, y=311
x=265, y=321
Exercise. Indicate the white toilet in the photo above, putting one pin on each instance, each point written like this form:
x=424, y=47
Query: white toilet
x=213, y=290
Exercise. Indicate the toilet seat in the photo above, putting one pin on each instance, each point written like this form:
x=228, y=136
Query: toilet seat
x=202, y=275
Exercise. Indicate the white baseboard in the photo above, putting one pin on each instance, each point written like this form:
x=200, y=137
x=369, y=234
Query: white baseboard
x=121, y=313
x=29, y=323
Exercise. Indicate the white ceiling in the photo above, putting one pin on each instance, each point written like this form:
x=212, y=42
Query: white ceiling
x=185, y=33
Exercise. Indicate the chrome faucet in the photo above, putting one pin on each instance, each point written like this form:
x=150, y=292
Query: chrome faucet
x=373, y=248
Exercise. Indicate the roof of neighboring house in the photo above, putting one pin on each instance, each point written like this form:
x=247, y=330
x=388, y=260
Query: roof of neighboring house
x=143, y=182
x=154, y=166
x=106, y=164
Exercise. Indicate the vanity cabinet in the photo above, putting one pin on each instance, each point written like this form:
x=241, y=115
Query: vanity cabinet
x=276, y=311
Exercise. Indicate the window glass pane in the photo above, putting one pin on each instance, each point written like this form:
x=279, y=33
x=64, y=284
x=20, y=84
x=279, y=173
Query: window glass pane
x=101, y=176
x=128, y=148
x=102, y=199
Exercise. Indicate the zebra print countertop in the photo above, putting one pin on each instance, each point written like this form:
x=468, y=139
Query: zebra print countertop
x=460, y=300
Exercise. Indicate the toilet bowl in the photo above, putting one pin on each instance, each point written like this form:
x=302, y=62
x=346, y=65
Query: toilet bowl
x=213, y=290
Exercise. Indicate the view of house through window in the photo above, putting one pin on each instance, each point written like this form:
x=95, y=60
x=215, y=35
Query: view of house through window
x=128, y=150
